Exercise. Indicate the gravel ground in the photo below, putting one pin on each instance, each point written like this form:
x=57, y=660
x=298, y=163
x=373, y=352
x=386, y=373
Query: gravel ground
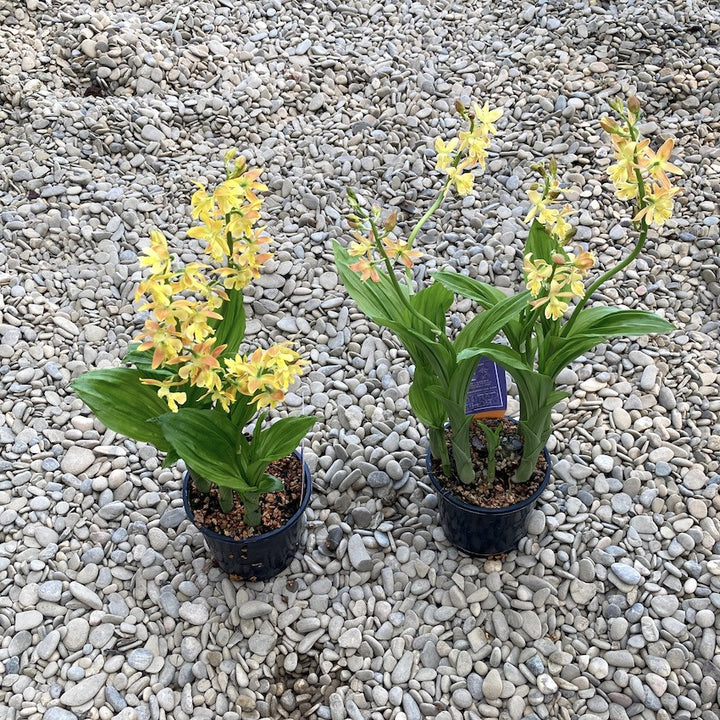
x=109, y=604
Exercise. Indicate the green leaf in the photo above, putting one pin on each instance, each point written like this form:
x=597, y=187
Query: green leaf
x=483, y=327
x=375, y=299
x=501, y=354
x=433, y=302
x=269, y=483
x=281, y=438
x=242, y=411
x=206, y=440
x=482, y=293
x=429, y=411
x=230, y=330
x=539, y=243
x=487, y=297
x=569, y=351
x=434, y=355
x=614, y=322
x=122, y=403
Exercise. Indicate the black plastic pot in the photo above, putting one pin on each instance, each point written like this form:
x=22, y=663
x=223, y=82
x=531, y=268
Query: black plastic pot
x=263, y=556
x=484, y=531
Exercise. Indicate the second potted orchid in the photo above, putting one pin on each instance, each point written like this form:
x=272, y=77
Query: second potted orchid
x=484, y=502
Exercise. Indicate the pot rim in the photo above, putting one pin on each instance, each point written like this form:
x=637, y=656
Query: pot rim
x=304, y=502
x=480, y=509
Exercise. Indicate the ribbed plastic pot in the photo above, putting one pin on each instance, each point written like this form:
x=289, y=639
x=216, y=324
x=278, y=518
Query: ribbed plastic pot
x=484, y=531
x=261, y=557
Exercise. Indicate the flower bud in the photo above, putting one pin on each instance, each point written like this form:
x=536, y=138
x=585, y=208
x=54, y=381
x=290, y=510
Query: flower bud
x=553, y=167
x=352, y=199
x=609, y=125
x=460, y=109
x=633, y=105
x=558, y=259
x=391, y=222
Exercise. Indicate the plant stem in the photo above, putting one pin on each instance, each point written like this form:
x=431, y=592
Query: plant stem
x=200, y=483
x=226, y=499
x=438, y=202
x=439, y=332
x=251, y=503
x=642, y=237
x=438, y=448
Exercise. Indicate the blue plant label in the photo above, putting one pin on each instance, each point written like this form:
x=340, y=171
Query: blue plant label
x=488, y=389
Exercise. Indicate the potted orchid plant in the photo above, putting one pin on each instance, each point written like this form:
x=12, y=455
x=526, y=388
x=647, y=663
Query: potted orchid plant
x=544, y=327
x=187, y=388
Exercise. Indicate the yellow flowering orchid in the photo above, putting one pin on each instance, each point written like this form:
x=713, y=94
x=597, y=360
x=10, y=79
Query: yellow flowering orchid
x=658, y=163
x=401, y=250
x=366, y=267
x=165, y=343
x=196, y=319
x=537, y=272
x=157, y=256
x=658, y=205
x=214, y=234
x=203, y=205
x=265, y=375
x=174, y=399
x=444, y=153
x=463, y=181
x=158, y=287
x=362, y=245
x=200, y=365
x=555, y=305
x=241, y=223
x=584, y=260
x=486, y=117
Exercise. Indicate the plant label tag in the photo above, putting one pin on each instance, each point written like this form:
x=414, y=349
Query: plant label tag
x=487, y=394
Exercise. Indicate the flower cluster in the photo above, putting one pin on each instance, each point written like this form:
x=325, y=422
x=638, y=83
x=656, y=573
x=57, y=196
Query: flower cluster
x=553, y=219
x=555, y=281
x=554, y=284
x=264, y=375
x=375, y=243
x=184, y=304
x=469, y=148
x=639, y=173
x=227, y=224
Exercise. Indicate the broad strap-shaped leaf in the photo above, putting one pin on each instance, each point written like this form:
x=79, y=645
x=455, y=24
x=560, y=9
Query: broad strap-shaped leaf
x=482, y=293
x=207, y=441
x=429, y=411
x=122, y=403
x=436, y=355
x=281, y=438
x=501, y=354
x=269, y=483
x=539, y=243
x=486, y=296
x=375, y=299
x=572, y=348
x=460, y=426
x=485, y=326
x=433, y=302
x=230, y=330
x=617, y=322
